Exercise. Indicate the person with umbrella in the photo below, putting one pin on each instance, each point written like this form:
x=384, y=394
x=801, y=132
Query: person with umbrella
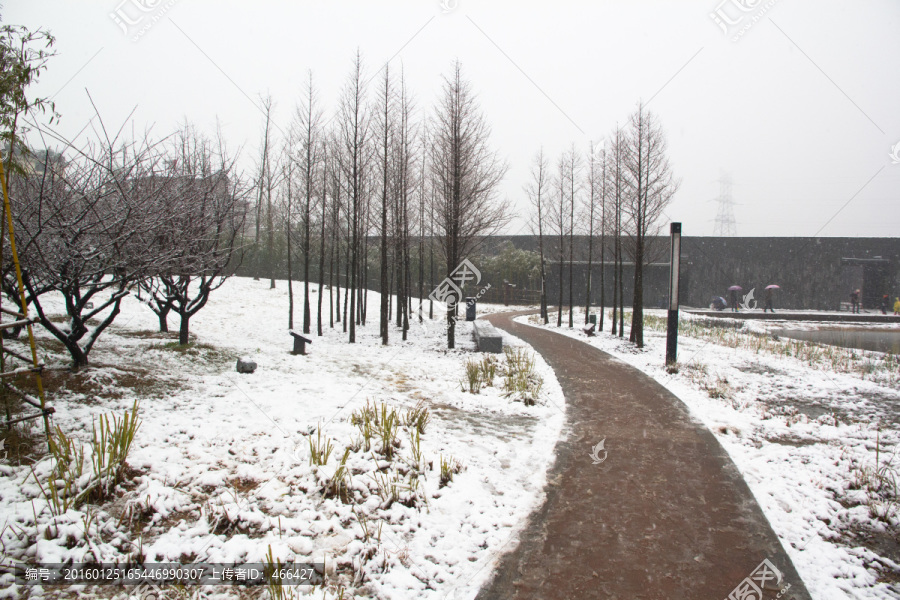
x=734, y=296
x=769, y=293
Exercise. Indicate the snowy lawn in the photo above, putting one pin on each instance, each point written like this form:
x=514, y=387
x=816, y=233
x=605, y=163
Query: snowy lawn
x=220, y=469
x=807, y=426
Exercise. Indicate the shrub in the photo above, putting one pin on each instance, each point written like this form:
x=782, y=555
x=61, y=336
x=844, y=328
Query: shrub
x=417, y=417
x=474, y=377
x=320, y=448
x=520, y=377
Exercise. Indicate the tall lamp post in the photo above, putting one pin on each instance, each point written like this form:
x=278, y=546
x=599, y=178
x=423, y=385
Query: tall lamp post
x=674, y=273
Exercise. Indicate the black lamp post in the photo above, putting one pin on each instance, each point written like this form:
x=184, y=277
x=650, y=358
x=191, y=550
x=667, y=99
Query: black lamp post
x=674, y=273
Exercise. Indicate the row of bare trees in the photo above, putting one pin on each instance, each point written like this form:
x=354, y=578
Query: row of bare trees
x=95, y=220
x=170, y=219
x=618, y=193
x=102, y=219
x=379, y=182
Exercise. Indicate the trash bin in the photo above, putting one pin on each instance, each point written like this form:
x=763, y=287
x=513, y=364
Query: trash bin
x=470, y=309
x=592, y=319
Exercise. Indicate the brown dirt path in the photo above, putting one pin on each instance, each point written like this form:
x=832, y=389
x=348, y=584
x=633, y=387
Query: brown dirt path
x=666, y=516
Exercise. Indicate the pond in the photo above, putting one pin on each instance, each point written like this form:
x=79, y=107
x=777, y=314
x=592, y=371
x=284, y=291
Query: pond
x=879, y=340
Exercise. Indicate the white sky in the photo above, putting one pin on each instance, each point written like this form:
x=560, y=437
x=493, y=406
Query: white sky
x=802, y=110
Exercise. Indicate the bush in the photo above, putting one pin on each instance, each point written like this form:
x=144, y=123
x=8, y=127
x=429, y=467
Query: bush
x=520, y=378
x=109, y=447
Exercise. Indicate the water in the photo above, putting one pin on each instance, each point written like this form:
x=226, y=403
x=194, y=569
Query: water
x=879, y=340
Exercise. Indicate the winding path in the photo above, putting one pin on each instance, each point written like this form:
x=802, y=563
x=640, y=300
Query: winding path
x=667, y=515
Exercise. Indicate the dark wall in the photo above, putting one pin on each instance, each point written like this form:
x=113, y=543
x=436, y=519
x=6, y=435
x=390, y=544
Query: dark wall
x=810, y=271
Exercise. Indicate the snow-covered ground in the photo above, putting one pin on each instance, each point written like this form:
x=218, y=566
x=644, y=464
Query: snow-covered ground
x=221, y=463
x=803, y=432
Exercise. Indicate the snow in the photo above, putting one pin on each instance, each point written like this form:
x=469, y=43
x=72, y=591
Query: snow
x=222, y=460
x=799, y=433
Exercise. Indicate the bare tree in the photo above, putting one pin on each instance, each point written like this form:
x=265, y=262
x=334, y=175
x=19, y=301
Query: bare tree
x=354, y=136
x=84, y=226
x=618, y=190
x=604, y=201
x=405, y=182
x=322, y=238
x=423, y=198
x=288, y=185
x=204, y=204
x=262, y=189
x=335, y=171
x=385, y=131
x=573, y=166
x=558, y=222
x=591, y=200
x=652, y=186
x=466, y=173
x=537, y=192
x=307, y=128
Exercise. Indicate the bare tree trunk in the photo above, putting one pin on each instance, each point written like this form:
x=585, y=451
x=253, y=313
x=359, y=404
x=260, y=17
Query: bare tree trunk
x=322, y=241
x=263, y=169
x=288, y=233
x=307, y=250
x=183, y=331
x=590, y=258
x=331, y=267
x=636, y=335
x=535, y=191
x=404, y=171
x=364, y=291
x=385, y=142
x=354, y=135
x=617, y=227
x=431, y=257
x=163, y=318
x=621, y=293
x=336, y=241
x=421, y=232
x=562, y=232
x=347, y=261
x=572, y=167
x=466, y=173
x=602, y=241
x=270, y=211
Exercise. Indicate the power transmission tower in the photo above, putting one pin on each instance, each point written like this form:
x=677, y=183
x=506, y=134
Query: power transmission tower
x=725, y=224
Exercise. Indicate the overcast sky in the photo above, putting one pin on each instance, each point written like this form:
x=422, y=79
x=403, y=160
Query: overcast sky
x=798, y=101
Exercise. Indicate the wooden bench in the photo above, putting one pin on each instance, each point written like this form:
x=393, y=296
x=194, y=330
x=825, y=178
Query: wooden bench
x=487, y=338
x=300, y=342
x=589, y=329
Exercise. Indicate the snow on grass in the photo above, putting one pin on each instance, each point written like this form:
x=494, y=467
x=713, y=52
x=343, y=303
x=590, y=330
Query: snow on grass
x=221, y=466
x=801, y=433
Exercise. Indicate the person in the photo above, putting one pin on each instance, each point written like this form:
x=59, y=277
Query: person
x=854, y=301
x=734, y=301
x=884, y=304
x=769, y=300
x=897, y=306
